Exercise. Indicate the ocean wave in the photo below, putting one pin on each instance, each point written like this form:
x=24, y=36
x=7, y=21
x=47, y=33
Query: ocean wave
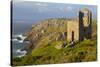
x=22, y=53
x=19, y=38
x=14, y=39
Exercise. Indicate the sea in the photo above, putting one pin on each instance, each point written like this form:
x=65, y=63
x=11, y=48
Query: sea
x=18, y=29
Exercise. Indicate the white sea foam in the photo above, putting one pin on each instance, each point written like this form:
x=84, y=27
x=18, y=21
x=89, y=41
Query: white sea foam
x=14, y=39
x=20, y=36
x=20, y=40
x=23, y=53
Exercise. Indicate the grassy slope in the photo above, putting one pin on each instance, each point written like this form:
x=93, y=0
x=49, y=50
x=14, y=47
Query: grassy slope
x=84, y=51
x=47, y=54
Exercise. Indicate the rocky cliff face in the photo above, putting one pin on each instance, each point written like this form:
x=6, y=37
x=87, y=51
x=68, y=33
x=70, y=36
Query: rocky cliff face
x=46, y=32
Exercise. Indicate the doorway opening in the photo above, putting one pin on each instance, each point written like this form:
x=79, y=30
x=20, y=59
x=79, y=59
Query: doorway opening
x=72, y=35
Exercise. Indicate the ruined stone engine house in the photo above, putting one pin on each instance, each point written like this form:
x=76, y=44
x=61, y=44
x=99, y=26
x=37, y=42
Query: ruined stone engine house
x=80, y=29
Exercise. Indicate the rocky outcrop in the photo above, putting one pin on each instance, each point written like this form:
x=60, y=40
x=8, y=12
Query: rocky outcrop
x=47, y=30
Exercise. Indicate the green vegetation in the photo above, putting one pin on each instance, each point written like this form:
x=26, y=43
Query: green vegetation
x=81, y=52
x=46, y=53
x=94, y=29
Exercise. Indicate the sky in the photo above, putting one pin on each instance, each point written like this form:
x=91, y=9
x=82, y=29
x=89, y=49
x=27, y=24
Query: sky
x=30, y=11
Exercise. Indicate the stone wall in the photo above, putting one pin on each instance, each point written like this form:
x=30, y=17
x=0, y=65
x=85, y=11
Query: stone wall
x=72, y=30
